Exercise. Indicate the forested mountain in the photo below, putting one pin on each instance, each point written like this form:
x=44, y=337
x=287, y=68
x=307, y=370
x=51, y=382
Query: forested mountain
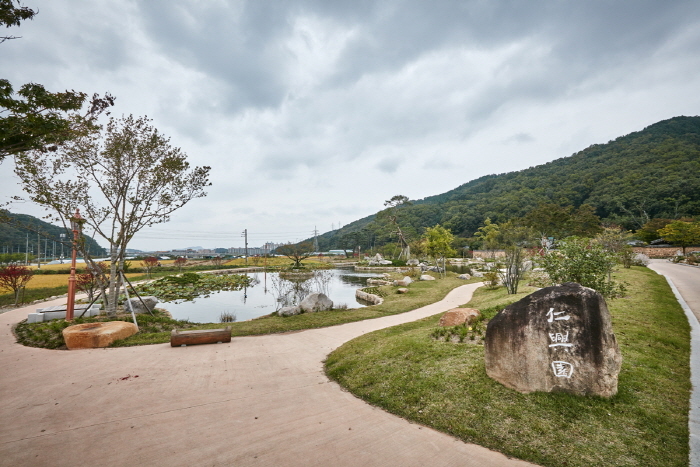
x=653, y=173
x=18, y=229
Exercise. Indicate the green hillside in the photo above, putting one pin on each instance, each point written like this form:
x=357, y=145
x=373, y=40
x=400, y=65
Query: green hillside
x=18, y=229
x=652, y=173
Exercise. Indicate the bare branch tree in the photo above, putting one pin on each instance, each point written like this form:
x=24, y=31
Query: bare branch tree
x=123, y=179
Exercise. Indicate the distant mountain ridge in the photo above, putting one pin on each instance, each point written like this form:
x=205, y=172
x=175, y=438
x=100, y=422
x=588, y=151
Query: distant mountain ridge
x=647, y=174
x=18, y=229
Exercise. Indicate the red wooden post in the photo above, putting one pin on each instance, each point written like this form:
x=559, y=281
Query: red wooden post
x=71, y=280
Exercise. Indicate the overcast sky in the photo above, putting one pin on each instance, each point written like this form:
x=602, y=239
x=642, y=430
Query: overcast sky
x=313, y=113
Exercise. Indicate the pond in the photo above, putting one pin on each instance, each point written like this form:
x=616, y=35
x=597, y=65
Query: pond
x=262, y=298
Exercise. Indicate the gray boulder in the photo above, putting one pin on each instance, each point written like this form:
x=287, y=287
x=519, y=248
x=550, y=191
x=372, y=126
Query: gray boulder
x=426, y=277
x=412, y=262
x=558, y=339
x=377, y=260
x=316, y=302
x=289, y=311
x=138, y=307
x=465, y=277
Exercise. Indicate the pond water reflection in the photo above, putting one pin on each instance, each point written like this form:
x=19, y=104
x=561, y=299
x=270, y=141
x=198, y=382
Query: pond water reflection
x=261, y=298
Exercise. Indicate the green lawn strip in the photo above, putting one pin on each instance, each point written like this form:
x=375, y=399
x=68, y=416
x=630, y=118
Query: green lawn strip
x=444, y=385
x=156, y=330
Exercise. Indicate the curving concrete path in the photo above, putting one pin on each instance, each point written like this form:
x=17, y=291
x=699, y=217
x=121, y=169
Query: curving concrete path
x=256, y=401
x=685, y=282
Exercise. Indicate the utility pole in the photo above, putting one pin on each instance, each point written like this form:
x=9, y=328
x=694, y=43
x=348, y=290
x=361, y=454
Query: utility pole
x=26, y=251
x=62, y=237
x=315, y=239
x=38, y=251
x=245, y=234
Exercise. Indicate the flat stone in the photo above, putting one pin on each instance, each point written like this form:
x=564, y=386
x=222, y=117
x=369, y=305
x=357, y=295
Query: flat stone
x=556, y=339
x=459, y=316
x=95, y=335
x=402, y=290
x=426, y=277
x=465, y=277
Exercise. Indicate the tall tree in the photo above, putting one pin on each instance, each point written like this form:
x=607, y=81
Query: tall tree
x=391, y=214
x=123, y=179
x=438, y=244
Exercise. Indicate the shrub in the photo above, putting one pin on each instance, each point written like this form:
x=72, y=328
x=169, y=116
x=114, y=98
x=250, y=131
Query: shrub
x=14, y=277
x=585, y=262
x=491, y=279
x=539, y=278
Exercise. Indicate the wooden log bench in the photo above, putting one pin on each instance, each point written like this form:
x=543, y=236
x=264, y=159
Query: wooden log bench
x=199, y=336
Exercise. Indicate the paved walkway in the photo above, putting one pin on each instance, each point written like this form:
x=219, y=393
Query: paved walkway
x=256, y=401
x=685, y=282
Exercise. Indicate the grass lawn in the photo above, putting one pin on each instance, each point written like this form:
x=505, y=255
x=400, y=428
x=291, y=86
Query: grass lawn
x=157, y=330
x=444, y=385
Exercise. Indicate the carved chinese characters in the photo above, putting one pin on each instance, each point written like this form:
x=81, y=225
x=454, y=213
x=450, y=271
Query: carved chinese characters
x=556, y=339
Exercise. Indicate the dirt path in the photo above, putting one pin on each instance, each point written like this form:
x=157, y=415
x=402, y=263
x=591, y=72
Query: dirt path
x=256, y=401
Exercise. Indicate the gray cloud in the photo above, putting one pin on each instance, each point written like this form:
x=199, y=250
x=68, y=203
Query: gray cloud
x=292, y=101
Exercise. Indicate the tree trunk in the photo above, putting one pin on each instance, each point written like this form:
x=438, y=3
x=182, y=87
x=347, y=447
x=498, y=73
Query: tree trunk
x=111, y=305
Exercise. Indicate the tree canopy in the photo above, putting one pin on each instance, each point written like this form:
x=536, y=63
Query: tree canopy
x=32, y=118
x=124, y=178
x=11, y=15
x=681, y=233
x=297, y=252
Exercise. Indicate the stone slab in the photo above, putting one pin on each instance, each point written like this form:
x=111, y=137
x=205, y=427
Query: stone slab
x=96, y=335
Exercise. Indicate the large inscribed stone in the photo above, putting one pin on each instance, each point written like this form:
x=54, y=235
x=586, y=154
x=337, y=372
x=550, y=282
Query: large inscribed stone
x=556, y=339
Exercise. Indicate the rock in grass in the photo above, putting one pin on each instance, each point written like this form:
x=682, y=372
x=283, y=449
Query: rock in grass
x=402, y=290
x=426, y=277
x=558, y=339
x=465, y=277
x=150, y=302
x=289, y=311
x=403, y=282
x=96, y=335
x=316, y=302
x=459, y=316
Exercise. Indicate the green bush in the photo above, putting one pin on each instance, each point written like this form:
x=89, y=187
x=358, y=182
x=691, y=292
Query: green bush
x=585, y=262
